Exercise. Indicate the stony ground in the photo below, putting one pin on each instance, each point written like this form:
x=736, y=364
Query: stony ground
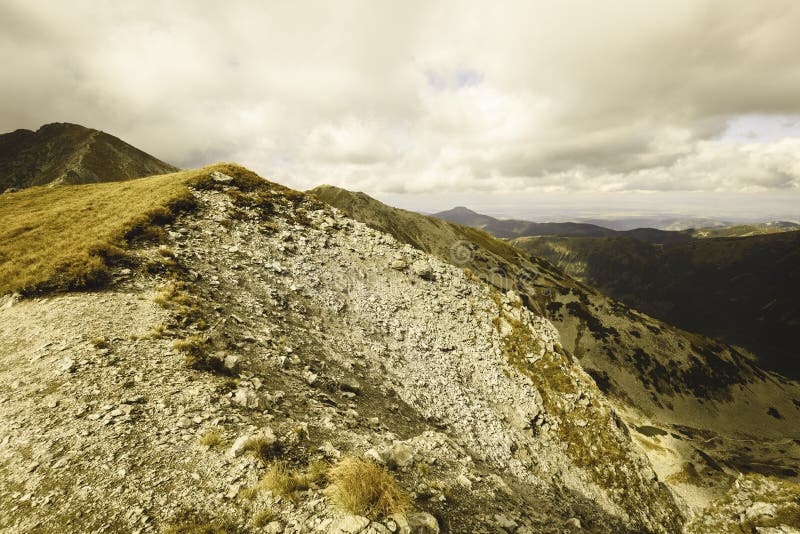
x=128, y=410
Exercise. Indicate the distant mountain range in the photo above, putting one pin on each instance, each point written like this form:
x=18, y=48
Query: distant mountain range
x=63, y=153
x=512, y=228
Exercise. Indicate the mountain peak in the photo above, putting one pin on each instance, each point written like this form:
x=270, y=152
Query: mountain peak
x=66, y=153
x=464, y=215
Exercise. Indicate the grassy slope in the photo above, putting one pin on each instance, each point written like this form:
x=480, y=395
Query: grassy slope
x=742, y=290
x=65, y=238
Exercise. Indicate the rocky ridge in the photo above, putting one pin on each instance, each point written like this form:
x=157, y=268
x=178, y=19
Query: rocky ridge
x=269, y=315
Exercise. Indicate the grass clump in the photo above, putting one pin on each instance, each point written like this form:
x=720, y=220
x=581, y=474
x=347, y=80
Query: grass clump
x=360, y=487
x=213, y=439
x=284, y=481
x=177, y=297
x=263, y=447
x=196, y=354
x=263, y=517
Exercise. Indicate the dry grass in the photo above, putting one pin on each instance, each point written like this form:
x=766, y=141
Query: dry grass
x=263, y=517
x=284, y=481
x=196, y=354
x=66, y=238
x=362, y=488
x=212, y=439
x=263, y=448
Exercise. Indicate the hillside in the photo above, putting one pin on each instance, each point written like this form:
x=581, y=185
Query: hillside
x=699, y=403
x=742, y=290
x=63, y=153
x=265, y=363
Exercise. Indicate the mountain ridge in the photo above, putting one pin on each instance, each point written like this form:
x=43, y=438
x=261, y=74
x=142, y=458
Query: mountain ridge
x=274, y=323
x=65, y=153
x=518, y=228
x=670, y=378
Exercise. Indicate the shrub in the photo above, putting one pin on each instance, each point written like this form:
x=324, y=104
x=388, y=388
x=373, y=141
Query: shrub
x=362, y=488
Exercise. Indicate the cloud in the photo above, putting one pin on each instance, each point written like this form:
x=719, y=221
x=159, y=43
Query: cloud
x=421, y=97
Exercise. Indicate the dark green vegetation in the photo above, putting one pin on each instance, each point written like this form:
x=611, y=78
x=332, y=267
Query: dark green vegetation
x=745, y=291
x=63, y=153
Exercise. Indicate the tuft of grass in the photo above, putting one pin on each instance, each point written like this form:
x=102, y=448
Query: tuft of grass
x=284, y=481
x=263, y=448
x=212, y=439
x=200, y=528
x=196, y=354
x=263, y=517
x=360, y=487
x=177, y=296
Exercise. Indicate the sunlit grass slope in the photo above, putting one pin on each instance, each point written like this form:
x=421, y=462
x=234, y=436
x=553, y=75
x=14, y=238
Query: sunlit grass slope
x=64, y=238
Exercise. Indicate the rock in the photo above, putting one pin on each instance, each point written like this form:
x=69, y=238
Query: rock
x=67, y=365
x=397, y=265
x=400, y=455
x=330, y=451
x=247, y=398
x=503, y=522
x=422, y=269
x=238, y=446
x=266, y=436
x=375, y=456
x=274, y=527
x=415, y=523
x=231, y=362
x=221, y=178
x=310, y=377
x=464, y=482
x=573, y=523
x=350, y=524
x=350, y=384
x=760, y=509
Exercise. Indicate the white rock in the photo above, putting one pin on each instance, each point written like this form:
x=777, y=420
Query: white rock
x=350, y=524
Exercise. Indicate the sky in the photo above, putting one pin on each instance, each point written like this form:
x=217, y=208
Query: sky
x=624, y=107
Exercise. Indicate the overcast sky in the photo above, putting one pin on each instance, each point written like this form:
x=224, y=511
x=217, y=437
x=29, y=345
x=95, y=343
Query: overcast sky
x=492, y=103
